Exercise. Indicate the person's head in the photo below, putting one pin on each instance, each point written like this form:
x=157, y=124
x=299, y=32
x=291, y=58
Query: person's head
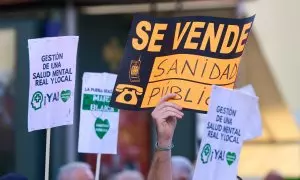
x=75, y=171
x=273, y=175
x=13, y=176
x=128, y=175
x=182, y=168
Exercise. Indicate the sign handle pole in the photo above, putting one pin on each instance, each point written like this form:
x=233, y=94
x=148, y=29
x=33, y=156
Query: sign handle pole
x=98, y=167
x=47, y=157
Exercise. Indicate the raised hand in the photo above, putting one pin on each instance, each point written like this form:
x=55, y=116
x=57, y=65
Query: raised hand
x=165, y=116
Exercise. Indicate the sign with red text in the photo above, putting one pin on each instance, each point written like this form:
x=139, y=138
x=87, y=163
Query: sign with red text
x=183, y=55
x=52, y=81
x=225, y=127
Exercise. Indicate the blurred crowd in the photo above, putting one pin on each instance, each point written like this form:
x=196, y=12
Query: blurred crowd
x=182, y=169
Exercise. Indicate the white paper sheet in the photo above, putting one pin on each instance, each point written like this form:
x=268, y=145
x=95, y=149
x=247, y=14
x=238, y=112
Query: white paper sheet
x=99, y=123
x=52, y=81
x=225, y=125
x=255, y=123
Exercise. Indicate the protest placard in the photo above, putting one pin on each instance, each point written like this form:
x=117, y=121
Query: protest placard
x=52, y=81
x=99, y=123
x=254, y=126
x=182, y=55
x=52, y=72
x=222, y=141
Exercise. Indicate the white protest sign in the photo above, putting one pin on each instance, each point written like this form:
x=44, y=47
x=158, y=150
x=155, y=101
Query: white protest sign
x=254, y=126
x=99, y=123
x=52, y=81
x=223, y=135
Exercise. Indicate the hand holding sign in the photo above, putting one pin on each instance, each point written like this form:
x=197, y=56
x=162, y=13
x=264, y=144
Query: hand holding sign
x=165, y=116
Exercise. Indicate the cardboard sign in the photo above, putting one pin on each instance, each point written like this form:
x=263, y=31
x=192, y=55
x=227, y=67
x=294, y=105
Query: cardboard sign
x=52, y=81
x=183, y=55
x=224, y=132
x=254, y=126
x=99, y=123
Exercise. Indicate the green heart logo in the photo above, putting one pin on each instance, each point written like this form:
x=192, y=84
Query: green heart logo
x=101, y=127
x=65, y=95
x=230, y=157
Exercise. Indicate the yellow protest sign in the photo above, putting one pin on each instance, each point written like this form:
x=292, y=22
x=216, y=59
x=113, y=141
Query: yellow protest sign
x=184, y=55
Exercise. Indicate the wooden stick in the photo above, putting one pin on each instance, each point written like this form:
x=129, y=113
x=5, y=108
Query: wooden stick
x=47, y=157
x=98, y=167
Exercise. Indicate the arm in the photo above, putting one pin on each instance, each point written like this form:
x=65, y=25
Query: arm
x=161, y=168
x=165, y=117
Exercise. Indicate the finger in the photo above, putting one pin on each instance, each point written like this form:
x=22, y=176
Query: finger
x=167, y=97
x=165, y=113
x=166, y=109
x=172, y=114
x=169, y=104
